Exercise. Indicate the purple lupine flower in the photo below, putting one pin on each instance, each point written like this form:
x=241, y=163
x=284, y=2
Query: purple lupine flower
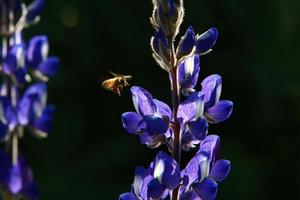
x=20, y=180
x=215, y=110
x=139, y=187
x=166, y=176
x=199, y=44
x=22, y=101
x=188, y=125
x=188, y=71
x=186, y=44
x=34, y=10
x=190, y=114
x=204, y=170
x=38, y=60
x=14, y=64
x=8, y=118
x=206, y=41
x=33, y=110
x=151, y=119
x=162, y=176
x=17, y=177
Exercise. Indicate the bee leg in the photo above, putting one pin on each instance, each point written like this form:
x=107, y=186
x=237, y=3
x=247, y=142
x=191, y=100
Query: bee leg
x=117, y=91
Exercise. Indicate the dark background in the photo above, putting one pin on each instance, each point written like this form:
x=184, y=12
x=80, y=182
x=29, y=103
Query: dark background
x=88, y=154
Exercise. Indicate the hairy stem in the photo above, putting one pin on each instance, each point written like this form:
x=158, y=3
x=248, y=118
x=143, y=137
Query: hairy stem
x=176, y=100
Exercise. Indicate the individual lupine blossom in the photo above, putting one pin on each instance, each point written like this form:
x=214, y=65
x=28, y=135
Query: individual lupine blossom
x=151, y=119
x=17, y=179
x=186, y=125
x=25, y=69
x=161, y=177
x=204, y=171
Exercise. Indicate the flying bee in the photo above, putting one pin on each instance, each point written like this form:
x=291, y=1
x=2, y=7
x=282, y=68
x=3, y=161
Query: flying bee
x=117, y=83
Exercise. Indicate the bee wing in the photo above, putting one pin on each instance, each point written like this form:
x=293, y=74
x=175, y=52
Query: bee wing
x=114, y=74
x=127, y=77
x=120, y=75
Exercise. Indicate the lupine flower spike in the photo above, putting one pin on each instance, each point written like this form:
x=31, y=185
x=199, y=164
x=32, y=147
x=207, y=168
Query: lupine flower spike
x=24, y=70
x=186, y=125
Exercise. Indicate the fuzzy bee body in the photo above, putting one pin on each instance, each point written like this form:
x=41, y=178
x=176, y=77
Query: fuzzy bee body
x=117, y=83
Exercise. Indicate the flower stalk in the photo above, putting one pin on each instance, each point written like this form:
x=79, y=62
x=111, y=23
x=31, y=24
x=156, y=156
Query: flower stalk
x=176, y=127
x=185, y=126
x=23, y=95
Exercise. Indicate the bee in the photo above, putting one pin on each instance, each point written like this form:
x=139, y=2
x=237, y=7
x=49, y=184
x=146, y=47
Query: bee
x=117, y=83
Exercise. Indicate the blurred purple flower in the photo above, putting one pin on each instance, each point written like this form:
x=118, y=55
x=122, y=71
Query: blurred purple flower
x=17, y=178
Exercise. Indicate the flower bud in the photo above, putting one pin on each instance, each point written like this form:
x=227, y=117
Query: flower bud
x=186, y=44
x=206, y=41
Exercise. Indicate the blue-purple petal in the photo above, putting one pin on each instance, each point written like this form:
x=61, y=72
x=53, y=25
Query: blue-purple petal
x=128, y=196
x=163, y=109
x=32, y=103
x=144, y=188
x=155, y=189
x=186, y=43
x=20, y=75
x=37, y=51
x=211, y=146
x=15, y=179
x=139, y=176
x=14, y=59
x=206, y=41
x=170, y=174
x=207, y=189
x=26, y=113
x=50, y=66
x=160, y=41
x=191, y=108
x=188, y=72
x=3, y=130
x=8, y=118
x=196, y=168
x=143, y=101
x=145, y=138
x=155, y=124
x=219, y=112
x=130, y=121
x=44, y=122
x=212, y=87
x=220, y=170
x=38, y=88
x=34, y=10
x=190, y=195
x=198, y=128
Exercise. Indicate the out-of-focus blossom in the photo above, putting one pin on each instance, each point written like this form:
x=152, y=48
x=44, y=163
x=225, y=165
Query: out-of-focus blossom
x=17, y=178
